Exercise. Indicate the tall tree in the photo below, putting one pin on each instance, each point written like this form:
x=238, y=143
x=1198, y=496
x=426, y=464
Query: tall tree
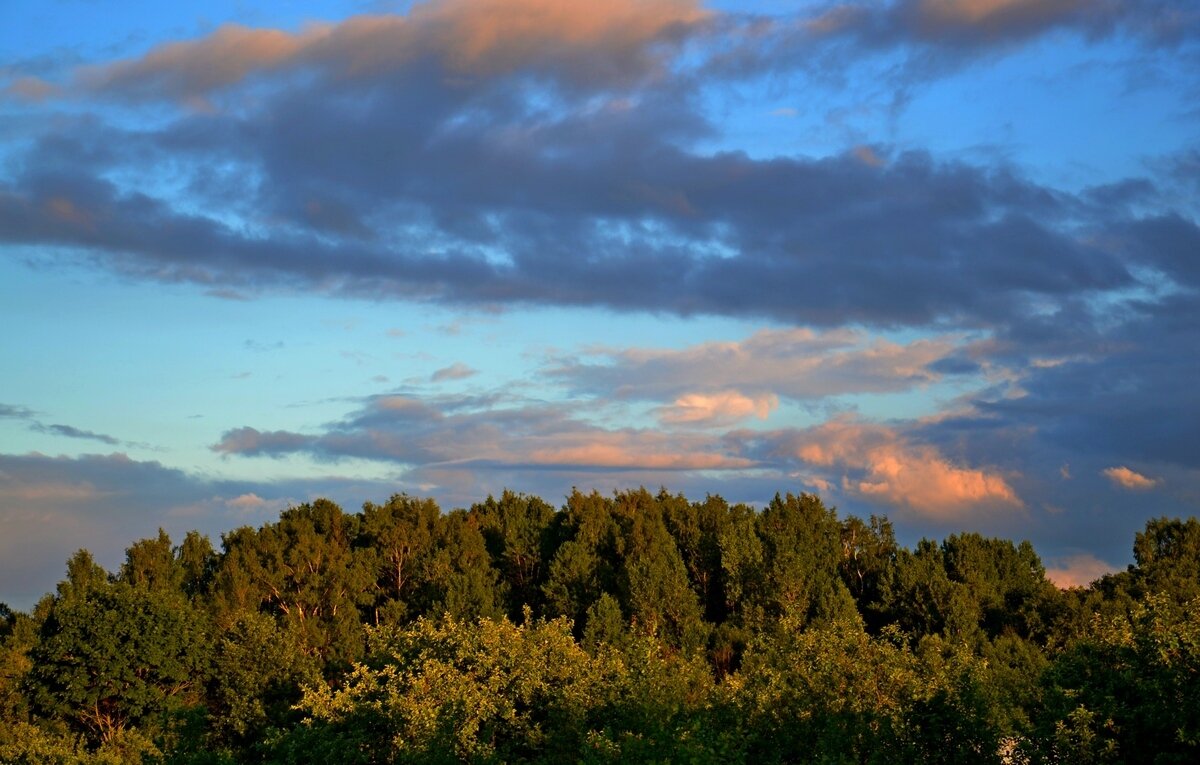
x=518, y=530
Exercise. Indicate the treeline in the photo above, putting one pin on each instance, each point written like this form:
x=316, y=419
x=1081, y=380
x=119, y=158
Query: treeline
x=636, y=627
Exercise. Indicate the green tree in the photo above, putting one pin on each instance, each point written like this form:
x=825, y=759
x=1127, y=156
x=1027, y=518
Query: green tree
x=258, y=671
x=116, y=657
x=398, y=537
x=306, y=570
x=1167, y=554
x=518, y=532
x=1127, y=689
x=460, y=573
x=868, y=561
x=151, y=564
x=801, y=550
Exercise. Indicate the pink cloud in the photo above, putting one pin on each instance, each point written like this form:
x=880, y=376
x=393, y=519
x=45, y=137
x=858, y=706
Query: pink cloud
x=635, y=455
x=984, y=12
x=1078, y=571
x=723, y=407
x=1130, y=479
x=880, y=464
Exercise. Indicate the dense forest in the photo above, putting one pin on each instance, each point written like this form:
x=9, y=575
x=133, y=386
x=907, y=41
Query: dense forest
x=636, y=627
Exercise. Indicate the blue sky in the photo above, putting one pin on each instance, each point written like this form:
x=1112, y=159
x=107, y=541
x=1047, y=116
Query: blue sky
x=936, y=259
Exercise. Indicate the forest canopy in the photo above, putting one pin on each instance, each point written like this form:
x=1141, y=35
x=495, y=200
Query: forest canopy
x=634, y=627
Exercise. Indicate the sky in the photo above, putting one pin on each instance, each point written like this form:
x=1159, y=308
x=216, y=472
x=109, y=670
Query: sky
x=937, y=260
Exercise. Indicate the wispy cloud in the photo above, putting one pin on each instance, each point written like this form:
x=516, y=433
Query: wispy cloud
x=11, y=411
x=30, y=417
x=72, y=432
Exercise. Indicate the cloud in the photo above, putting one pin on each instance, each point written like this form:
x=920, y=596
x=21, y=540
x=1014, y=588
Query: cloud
x=492, y=155
x=33, y=89
x=723, y=407
x=463, y=431
x=11, y=411
x=979, y=25
x=1078, y=570
x=456, y=371
x=1129, y=479
x=881, y=465
x=599, y=43
x=799, y=363
x=251, y=503
x=249, y=441
x=72, y=432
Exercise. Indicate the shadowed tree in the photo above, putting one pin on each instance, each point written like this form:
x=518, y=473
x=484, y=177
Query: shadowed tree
x=868, y=560
x=1167, y=554
x=398, y=539
x=460, y=572
x=518, y=531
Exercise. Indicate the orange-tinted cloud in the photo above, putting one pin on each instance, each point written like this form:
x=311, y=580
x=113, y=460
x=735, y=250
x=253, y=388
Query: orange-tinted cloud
x=881, y=465
x=1129, y=479
x=593, y=41
x=31, y=89
x=195, y=68
x=723, y=407
x=1078, y=571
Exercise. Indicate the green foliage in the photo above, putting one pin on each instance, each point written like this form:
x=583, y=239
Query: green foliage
x=837, y=694
x=305, y=570
x=258, y=671
x=635, y=627
x=448, y=690
x=1128, y=689
x=1168, y=558
x=116, y=656
x=801, y=549
x=517, y=530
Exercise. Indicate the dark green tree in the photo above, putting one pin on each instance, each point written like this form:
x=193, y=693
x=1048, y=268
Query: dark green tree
x=118, y=656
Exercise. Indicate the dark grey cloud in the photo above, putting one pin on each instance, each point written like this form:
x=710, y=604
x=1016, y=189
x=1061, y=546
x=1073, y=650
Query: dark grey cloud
x=649, y=228
x=73, y=432
x=972, y=27
x=511, y=177
x=14, y=412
